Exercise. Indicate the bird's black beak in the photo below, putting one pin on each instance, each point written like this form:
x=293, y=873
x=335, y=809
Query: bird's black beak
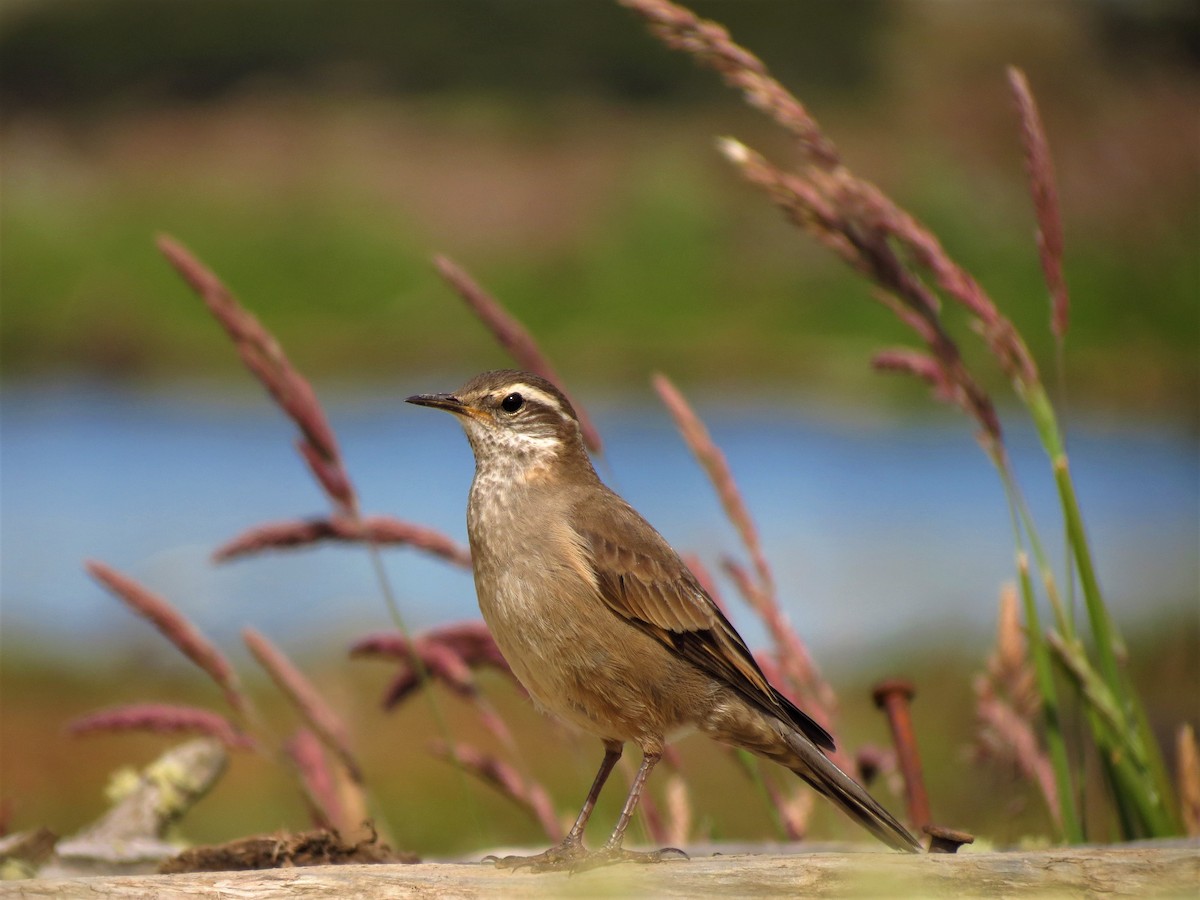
x=443, y=401
x=448, y=402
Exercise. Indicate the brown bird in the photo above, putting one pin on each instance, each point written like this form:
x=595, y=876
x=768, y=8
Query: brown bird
x=603, y=623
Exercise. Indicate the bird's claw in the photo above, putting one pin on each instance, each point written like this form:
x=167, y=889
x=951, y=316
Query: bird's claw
x=607, y=856
x=557, y=859
x=573, y=858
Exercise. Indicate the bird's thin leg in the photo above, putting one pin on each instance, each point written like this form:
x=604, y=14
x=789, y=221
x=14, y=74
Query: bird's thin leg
x=612, y=754
x=612, y=851
x=649, y=761
x=571, y=849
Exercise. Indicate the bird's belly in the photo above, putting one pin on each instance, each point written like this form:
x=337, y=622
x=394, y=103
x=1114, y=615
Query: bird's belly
x=579, y=661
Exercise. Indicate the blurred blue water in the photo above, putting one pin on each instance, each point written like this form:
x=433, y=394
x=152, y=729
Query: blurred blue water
x=879, y=531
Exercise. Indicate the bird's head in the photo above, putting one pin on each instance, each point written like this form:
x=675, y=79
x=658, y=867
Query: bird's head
x=514, y=419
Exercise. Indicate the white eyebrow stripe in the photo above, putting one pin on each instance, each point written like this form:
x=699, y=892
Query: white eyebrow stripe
x=532, y=393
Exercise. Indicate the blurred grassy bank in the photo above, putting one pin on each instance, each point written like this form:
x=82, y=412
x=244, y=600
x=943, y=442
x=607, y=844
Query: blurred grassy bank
x=592, y=204
x=51, y=779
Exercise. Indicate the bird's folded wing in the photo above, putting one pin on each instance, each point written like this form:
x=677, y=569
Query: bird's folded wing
x=645, y=582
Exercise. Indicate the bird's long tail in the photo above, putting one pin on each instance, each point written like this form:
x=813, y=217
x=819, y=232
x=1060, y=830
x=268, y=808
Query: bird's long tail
x=813, y=766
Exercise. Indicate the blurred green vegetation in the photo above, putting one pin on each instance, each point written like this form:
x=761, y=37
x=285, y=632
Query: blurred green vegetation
x=49, y=778
x=316, y=154
x=92, y=55
x=96, y=54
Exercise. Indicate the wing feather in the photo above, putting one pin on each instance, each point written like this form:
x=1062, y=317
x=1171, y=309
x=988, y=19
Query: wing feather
x=644, y=581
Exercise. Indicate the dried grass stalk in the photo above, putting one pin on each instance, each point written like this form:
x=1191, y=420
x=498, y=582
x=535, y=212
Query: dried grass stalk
x=403, y=685
x=448, y=667
x=446, y=654
x=1009, y=665
x=163, y=718
x=316, y=778
x=711, y=45
x=528, y=795
x=1007, y=704
x=672, y=826
x=710, y=457
x=512, y=336
x=794, y=659
x=1188, y=756
x=794, y=807
x=920, y=365
x=319, y=715
x=490, y=719
x=861, y=234
x=177, y=629
x=379, y=530
x=473, y=642
x=859, y=222
x=762, y=774
x=265, y=359
x=759, y=592
x=469, y=640
x=1043, y=188
x=855, y=219
x=1007, y=736
x=679, y=811
x=388, y=644
x=651, y=816
x=671, y=758
x=335, y=798
x=859, y=201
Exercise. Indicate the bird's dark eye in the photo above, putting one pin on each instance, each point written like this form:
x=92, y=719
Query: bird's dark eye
x=512, y=403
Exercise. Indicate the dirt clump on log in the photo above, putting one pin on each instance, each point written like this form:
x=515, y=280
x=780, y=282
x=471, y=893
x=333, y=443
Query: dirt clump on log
x=321, y=847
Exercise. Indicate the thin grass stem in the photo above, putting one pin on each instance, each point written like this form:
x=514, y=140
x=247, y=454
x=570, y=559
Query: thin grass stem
x=422, y=672
x=1056, y=746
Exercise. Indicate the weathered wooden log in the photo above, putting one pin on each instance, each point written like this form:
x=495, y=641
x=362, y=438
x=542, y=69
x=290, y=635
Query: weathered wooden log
x=130, y=836
x=1143, y=871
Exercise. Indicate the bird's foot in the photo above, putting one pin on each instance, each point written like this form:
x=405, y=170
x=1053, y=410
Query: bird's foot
x=561, y=858
x=607, y=856
x=570, y=856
